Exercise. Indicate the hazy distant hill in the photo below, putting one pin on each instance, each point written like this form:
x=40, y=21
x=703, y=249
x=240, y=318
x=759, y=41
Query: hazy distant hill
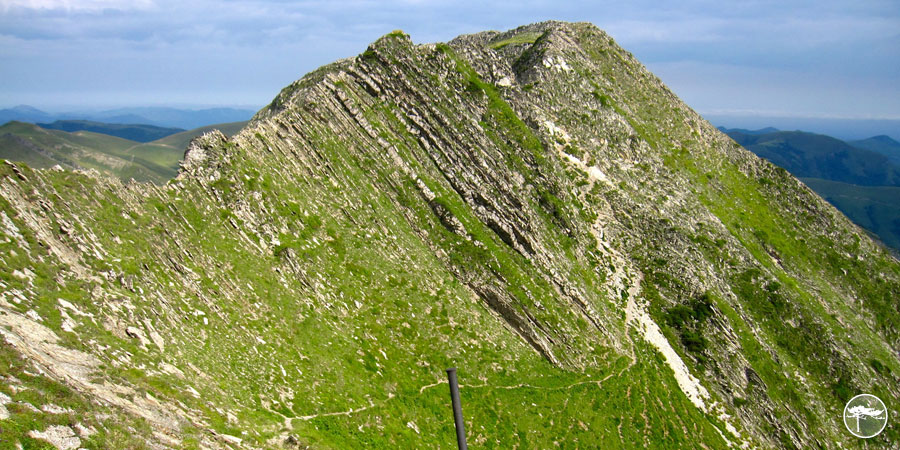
x=172, y=117
x=875, y=208
x=24, y=113
x=881, y=144
x=750, y=132
x=818, y=156
x=133, y=132
x=842, y=128
x=162, y=117
x=155, y=161
x=860, y=180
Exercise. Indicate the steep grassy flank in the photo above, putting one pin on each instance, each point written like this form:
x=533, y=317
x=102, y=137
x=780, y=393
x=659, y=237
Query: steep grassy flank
x=863, y=200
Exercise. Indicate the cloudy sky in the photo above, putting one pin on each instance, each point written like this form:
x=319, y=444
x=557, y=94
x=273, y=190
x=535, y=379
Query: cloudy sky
x=826, y=58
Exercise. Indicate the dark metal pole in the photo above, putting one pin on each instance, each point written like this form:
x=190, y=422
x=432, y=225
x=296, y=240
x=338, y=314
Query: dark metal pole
x=457, y=410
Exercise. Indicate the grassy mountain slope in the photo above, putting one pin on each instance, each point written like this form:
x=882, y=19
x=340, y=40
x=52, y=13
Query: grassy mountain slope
x=604, y=267
x=132, y=132
x=83, y=149
x=818, y=156
x=155, y=161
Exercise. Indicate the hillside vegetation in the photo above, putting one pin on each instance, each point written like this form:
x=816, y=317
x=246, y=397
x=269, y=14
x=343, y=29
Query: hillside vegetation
x=603, y=266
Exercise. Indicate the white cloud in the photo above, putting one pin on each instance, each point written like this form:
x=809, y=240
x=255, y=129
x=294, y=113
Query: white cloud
x=76, y=5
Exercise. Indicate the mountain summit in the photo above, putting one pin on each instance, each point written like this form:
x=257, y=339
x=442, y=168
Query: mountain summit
x=604, y=268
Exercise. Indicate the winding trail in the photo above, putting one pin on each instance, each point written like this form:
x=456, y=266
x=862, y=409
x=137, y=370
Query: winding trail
x=289, y=420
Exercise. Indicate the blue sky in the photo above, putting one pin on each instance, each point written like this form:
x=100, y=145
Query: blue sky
x=829, y=59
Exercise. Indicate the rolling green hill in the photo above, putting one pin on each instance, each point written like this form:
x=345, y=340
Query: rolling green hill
x=155, y=161
x=82, y=149
x=132, y=132
x=181, y=140
x=881, y=144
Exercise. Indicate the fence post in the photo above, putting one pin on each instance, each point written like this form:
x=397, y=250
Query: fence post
x=457, y=410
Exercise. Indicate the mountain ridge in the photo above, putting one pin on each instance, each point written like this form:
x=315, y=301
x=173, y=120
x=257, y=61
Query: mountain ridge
x=532, y=206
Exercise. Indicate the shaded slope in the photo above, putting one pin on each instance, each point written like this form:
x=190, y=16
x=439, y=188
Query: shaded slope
x=881, y=144
x=875, y=208
x=604, y=266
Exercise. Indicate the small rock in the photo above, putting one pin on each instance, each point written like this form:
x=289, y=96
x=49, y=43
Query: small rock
x=84, y=431
x=53, y=409
x=138, y=334
x=62, y=437
x=231, y=439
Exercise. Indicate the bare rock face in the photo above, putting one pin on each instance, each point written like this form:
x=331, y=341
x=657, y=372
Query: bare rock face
x=61, y=437
x=604, y=267
x=201, y=151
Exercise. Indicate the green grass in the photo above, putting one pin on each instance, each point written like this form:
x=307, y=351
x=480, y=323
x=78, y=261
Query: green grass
x=517, y=39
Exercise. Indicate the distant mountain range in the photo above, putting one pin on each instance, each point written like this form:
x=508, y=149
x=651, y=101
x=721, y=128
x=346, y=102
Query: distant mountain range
x=813, y=155
x=157, y=116
x=861, y=178
x=846, y=129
